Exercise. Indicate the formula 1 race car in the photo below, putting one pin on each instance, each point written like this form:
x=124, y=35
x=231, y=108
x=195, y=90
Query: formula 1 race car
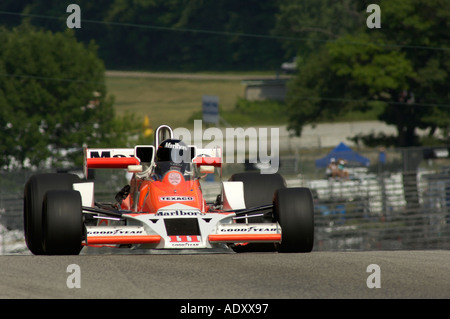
x=163, y=206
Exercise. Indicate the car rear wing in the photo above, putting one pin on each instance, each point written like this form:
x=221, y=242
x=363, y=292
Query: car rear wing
x=144, y=155
x=117, y=157
x=208, y=156
x=207, y=159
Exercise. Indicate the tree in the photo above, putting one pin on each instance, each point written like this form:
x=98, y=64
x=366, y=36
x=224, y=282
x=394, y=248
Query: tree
x=193, y=35
x=309, y=24
x=52, y=98
x=181, y=35
x=405, y=65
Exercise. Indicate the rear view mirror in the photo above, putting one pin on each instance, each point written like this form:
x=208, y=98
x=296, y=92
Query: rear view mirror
x=206, y=169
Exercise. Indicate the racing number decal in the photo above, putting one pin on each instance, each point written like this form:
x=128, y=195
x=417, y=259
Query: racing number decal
x=184, y=239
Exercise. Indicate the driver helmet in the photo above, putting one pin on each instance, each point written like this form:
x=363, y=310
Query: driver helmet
x=172, y=154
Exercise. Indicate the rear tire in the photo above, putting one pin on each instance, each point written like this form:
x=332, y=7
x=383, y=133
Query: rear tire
x=294, y=211
x=35, y=189
x=62, y=222
x=259, y=190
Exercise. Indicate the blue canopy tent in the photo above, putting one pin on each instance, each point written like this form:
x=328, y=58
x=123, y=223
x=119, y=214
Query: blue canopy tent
x=344, y=152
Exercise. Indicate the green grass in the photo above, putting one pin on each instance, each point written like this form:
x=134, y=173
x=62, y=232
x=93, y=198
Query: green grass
x=178, y=102
x=248, y=113
x=170, y=101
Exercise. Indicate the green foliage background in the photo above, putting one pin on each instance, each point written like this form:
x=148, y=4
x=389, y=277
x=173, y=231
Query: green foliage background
x=180, y=35
x=53, y=97
x=404, y=65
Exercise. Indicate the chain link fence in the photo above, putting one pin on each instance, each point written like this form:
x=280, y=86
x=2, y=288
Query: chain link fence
x=383, y=211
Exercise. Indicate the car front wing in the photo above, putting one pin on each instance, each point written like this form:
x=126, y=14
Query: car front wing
x=182, y=229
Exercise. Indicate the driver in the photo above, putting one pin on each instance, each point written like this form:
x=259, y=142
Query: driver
x=172, y=154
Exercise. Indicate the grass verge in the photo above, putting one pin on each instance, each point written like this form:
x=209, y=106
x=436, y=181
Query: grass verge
x=170, y=101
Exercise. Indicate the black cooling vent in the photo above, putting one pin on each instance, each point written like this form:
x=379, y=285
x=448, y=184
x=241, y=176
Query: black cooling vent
x=181, y=226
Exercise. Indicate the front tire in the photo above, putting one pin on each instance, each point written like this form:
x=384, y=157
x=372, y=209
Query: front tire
x=62, y=222
x=294, y=211
x=35, y=189
x=259, y=190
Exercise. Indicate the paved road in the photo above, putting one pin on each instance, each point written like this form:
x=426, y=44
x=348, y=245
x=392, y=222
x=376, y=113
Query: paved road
x=403, y=274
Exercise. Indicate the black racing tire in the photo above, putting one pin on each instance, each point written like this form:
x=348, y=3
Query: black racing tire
x=259, y=190
x=294, y=211
x=62, y=222
x=35, y=189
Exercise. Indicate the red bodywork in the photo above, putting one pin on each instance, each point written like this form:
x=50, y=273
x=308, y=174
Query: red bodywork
x=147, y=195
x=172, y=189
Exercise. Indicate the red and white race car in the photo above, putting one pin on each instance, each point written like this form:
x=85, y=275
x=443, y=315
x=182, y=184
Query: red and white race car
x=163, y=206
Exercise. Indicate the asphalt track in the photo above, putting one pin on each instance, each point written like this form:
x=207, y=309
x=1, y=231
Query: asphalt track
x=317, y=275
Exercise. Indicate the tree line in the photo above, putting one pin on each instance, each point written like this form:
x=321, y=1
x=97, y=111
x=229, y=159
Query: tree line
x=402, y=68
x=176, y=35
x=53, y=96
x=53, y=100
